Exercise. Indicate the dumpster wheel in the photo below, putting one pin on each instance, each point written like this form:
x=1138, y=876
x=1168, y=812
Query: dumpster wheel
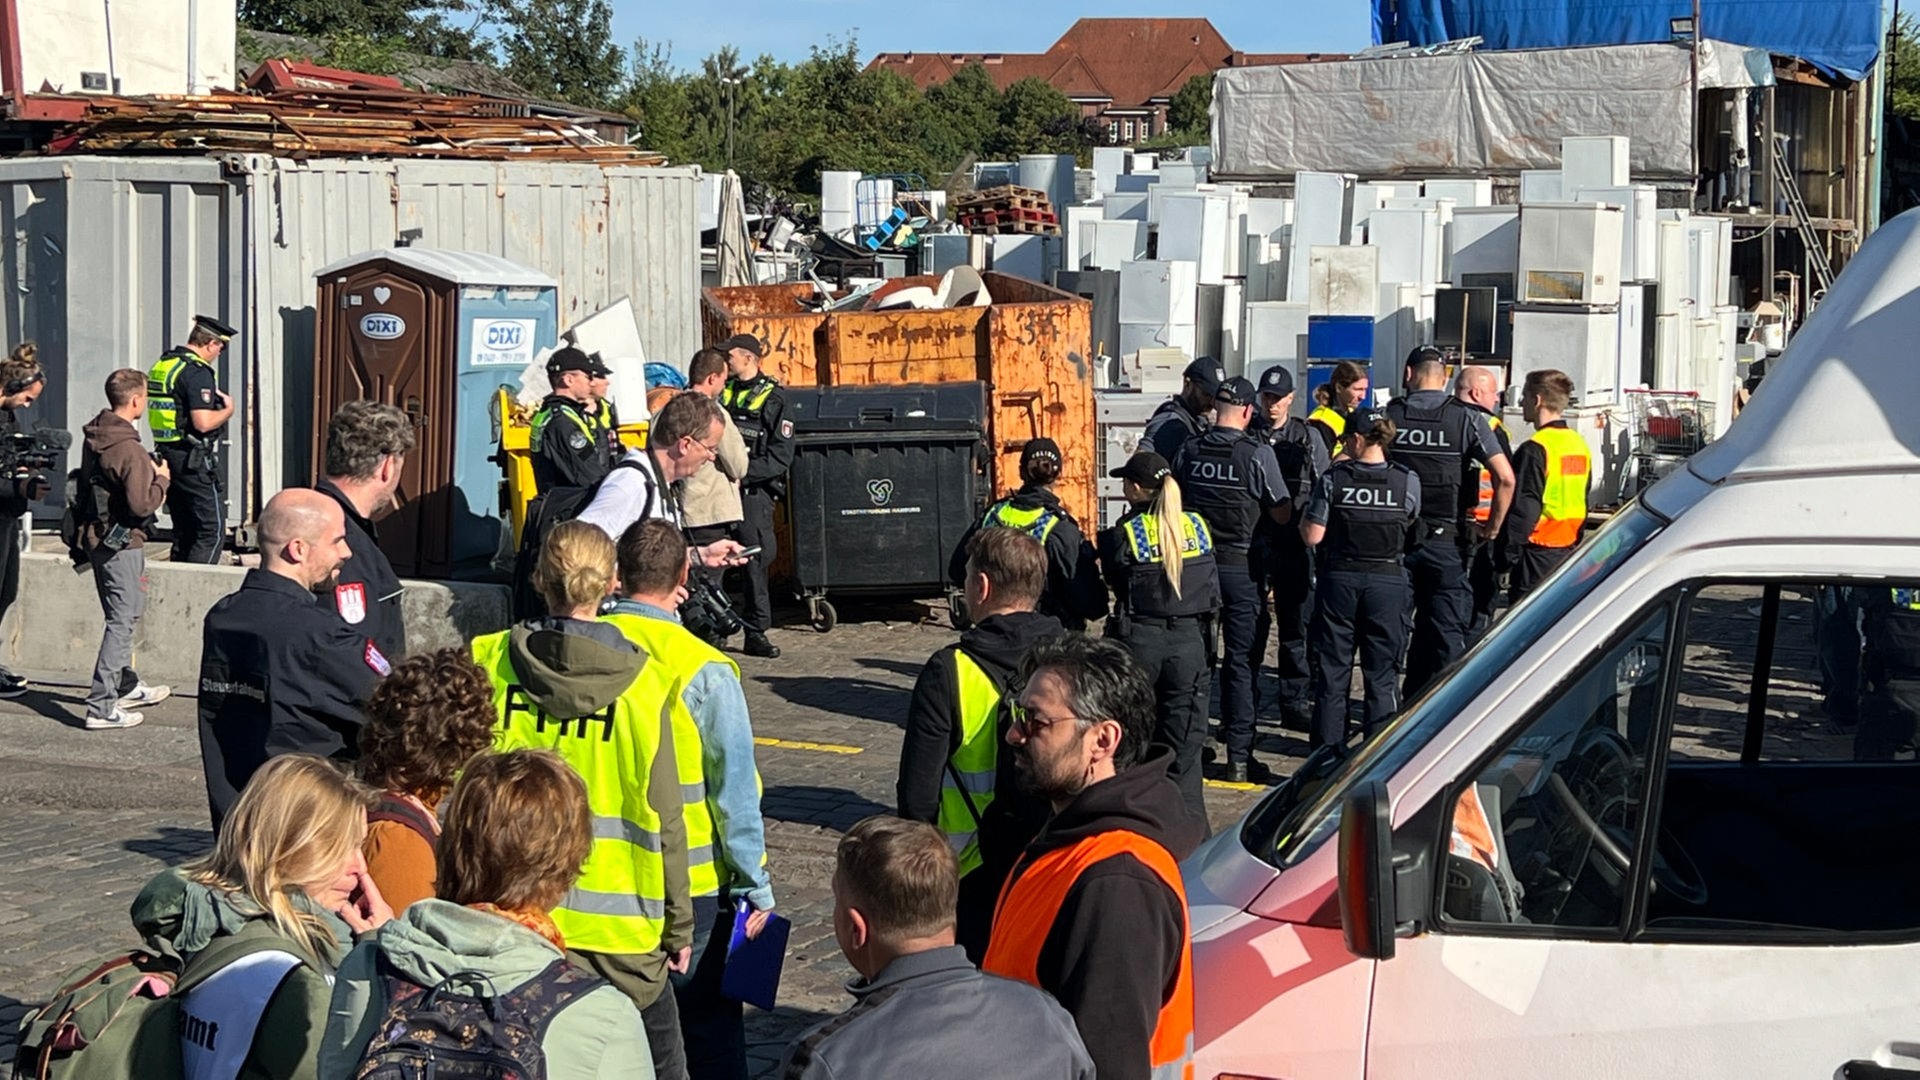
x=821, y=613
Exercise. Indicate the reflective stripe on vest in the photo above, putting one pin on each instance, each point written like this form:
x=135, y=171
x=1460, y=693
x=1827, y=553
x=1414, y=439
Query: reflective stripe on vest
x=975, y=760
x=1335, y=422
x=545, y=416
x=1908, y=599
x=220, y=1017
x=1030, y=902
x=163, y=409
x=619, y=903
x=1037, y=522
x=684, y=656
x=1563, y=504
x=1143, y=536
x=744, y=396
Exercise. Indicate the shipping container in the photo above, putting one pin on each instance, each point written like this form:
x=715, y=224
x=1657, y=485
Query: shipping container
x=112, y=257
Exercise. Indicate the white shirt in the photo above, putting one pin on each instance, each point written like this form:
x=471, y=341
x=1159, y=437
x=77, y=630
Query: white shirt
x=628, y=494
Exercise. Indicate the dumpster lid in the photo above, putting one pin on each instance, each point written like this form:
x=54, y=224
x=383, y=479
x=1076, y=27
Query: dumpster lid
x=957, y=406
x=458, y=267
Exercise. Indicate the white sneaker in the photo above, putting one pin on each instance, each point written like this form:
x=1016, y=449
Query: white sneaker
x=121, y=718
x=144, y=695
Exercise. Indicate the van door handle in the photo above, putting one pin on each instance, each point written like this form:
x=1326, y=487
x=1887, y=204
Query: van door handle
x=1873, y=1070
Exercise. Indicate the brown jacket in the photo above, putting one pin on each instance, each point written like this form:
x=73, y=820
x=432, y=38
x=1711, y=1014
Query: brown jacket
x=712, y=495
x=136, y=490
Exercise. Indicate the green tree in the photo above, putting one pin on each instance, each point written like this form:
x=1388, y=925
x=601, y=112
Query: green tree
x=1904, y=58
x=563, y=49
x=657, y=99
x=1190, y=111
x=425, y=26
x=1036, y=118
x=960, y=116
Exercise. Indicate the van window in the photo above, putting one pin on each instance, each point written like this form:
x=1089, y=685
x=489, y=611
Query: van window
x=1790, y=793
x=1545, y=835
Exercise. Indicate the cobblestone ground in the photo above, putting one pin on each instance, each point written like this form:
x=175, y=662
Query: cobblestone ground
x=86, y=818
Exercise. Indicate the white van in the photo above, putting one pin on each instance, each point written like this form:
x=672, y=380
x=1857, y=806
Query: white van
x=1628, y=836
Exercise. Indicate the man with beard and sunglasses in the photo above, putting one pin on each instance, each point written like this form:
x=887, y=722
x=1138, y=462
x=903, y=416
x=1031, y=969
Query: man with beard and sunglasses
x=1094, y=911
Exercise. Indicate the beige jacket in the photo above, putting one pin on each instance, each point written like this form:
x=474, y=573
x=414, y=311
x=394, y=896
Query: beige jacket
x=712, y=495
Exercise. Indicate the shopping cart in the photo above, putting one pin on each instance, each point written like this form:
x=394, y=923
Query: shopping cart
x=1669, y=426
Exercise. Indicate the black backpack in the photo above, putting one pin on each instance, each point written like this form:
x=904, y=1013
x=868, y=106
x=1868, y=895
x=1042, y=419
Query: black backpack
x=459, y=1031
x=547, y=509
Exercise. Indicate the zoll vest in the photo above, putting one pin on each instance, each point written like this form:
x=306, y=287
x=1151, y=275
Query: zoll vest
x=1031, y=901
x=1149, y=594
x=163, y=408
x=1563, y=505
x=1037, y=522
x=619, y=904
x=685, y=655
x=1366, y=516
x=1433, y=442
x=1216, y=473
x=967, y=783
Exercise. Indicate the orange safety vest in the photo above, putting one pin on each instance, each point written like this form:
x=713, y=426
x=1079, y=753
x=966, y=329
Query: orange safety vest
x=1483, y=509
x=1031, y=900
x=1563, y=505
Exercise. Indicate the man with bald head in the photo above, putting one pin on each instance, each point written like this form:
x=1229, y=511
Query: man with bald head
x=280, y=671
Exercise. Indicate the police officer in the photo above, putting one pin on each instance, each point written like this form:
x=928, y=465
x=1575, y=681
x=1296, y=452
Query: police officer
x=367, y=447
x=1479, y=389
x=1230, y=476
x=188, y=413
x=1185, y=414
x=1889, y=672
x=569, y=448
x=1281, y=564
x=604, y=416
x=1363, y=514
x=1074, y=593
x=759, y=409
x=1159, y=561
x=280, y=673
x=1439, y=439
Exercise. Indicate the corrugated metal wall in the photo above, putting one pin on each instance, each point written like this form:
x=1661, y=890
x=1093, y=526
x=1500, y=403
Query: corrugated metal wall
x=112, y=257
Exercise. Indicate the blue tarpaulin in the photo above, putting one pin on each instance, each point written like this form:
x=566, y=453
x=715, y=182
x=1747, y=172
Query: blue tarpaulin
x=1838, y=35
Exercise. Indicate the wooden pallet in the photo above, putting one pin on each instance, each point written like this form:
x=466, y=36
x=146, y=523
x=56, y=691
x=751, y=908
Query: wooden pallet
x=1003, y=198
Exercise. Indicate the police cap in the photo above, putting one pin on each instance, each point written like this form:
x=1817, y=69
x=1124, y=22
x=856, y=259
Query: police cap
x=1365, y=421
x=743, y=341
x=214, y=326
x=1276, y=381
x=1041, y=449
x=1145, y=468
x=569, y=358
x=1234, y=391
x=1206, y=373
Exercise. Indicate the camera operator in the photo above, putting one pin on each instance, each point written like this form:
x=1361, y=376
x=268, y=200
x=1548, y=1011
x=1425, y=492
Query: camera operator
x=21, y=381
x=119, y=488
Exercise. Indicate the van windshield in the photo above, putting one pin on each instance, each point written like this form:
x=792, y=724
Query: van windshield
x=1297, y=830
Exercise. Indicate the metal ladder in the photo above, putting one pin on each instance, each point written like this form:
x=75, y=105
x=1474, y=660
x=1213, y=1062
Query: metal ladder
x=1803, y=222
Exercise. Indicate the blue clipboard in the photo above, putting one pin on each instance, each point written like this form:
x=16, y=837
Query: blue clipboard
x=753, y=967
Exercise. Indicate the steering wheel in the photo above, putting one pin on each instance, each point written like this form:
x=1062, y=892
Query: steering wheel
x=1674, y=871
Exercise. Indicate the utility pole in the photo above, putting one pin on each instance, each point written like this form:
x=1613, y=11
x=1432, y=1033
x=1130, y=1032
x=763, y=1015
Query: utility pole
x=731, y=81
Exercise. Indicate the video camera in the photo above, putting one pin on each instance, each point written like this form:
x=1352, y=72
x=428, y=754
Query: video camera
x=31, y=451
x=706, y=613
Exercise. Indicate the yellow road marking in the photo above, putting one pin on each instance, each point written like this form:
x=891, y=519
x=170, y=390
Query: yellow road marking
x=800, y=744
x=1231, y=786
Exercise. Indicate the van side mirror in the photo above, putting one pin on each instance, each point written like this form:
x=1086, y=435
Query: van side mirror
x=1367, y=906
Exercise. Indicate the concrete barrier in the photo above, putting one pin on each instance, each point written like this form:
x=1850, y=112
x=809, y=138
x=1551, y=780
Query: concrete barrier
x=56, y=623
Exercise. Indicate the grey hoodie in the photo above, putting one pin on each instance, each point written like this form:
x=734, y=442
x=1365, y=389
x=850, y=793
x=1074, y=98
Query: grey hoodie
x=597, y=1037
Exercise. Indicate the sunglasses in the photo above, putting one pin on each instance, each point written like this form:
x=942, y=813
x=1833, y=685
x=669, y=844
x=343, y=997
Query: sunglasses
x=1030, y=723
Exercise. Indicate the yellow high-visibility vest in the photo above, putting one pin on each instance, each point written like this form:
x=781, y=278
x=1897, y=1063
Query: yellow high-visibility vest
x=966, y=785
x=1563, y=506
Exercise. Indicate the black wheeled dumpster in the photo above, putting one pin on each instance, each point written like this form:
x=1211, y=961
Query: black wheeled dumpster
x=885, y=481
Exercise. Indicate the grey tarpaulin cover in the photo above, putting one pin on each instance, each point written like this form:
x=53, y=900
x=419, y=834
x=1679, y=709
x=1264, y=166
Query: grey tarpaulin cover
x=1474, y=113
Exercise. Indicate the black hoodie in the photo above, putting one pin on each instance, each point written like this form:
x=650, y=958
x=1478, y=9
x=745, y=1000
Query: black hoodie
x=1075, y=594
x=1114, y=950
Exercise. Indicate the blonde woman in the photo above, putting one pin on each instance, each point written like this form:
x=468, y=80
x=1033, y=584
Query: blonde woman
x=263, y=921
x=1159, y=561
x=516, y=832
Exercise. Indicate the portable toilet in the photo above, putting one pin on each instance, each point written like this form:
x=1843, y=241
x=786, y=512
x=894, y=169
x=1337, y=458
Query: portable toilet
x=435, y=333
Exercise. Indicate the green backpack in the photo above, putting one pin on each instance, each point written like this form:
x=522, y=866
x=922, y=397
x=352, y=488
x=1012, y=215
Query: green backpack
x=119, y=1018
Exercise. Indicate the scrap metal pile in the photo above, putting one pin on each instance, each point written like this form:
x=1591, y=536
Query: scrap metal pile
x=339, y=123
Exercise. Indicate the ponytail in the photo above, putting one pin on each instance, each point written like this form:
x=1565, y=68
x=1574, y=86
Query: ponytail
x=1166, y=507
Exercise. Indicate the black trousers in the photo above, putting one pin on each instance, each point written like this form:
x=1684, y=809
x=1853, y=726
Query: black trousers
x=10, y=526
x=1531, y=566
x=1483, y=577
x=1285, y=574
x=1442, y=610
x=197, y=509
x=712, y=1025
x=756, y=530
x=1239, y=612
x=1355, y=608
x=1174, y=654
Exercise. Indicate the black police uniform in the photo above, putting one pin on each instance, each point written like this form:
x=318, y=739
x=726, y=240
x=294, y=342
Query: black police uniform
x=1282, y=564
x=14, y=507
x=367, y=592
x=759, y=410
x=196, y=506
x=1074, y=592
x=280, y=673
x=1889, y=672
x=1170, y=427
x=1230, y=478
x=1438, y=439
x=569, y=449
x=1165, y=633
x=1370, y=512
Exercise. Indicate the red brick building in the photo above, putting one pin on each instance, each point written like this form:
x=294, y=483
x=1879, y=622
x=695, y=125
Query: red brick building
x=1123, y=71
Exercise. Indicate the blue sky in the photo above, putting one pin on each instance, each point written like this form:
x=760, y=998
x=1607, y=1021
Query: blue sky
x=785, y=28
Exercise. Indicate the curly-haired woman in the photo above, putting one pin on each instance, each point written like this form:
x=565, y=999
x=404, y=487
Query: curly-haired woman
x=424, y=722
